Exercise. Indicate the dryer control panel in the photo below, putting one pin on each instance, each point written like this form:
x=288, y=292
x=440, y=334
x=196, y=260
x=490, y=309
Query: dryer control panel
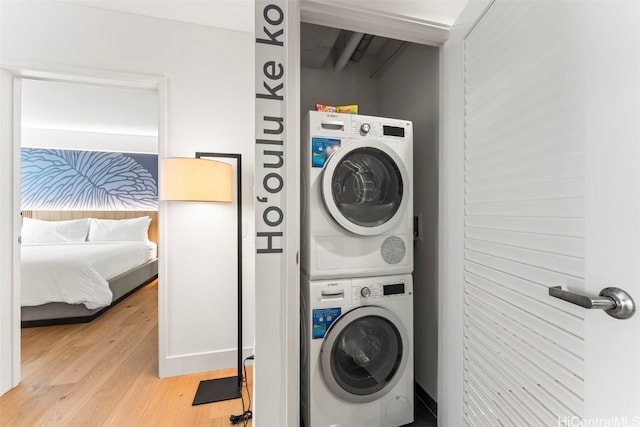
x=363, y=126
x=377, y=290
x=356, y=126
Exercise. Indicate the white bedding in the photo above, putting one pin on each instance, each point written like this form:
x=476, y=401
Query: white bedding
x=77, y=273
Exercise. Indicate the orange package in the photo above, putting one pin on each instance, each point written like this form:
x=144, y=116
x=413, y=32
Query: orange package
x=326, y=108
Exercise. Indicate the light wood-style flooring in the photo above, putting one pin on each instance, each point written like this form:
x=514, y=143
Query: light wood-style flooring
x=105, y=373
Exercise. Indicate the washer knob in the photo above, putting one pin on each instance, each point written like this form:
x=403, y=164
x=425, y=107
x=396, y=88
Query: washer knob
x=365, y=128
x=365, y=292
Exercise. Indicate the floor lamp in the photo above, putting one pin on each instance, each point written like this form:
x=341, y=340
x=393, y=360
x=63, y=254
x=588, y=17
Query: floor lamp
x=202, y=179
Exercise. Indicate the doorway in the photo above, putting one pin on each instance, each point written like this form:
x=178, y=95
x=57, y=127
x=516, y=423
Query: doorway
x=82, y=78
x=398, y=79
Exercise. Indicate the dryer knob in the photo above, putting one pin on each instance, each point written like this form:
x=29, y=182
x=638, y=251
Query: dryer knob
x=365, y=292
x=365, y=128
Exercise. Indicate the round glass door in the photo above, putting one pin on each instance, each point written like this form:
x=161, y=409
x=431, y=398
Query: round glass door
x=363, y=354
x=365, y=187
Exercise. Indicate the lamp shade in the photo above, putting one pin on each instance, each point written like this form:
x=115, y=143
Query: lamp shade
x=196, y=180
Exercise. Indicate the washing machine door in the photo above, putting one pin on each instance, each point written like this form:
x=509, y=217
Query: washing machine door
x=364, y=354
x=365, y=187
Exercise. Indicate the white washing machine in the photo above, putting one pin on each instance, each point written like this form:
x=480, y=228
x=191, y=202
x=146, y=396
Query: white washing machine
x=357, y=352
x=357, y=196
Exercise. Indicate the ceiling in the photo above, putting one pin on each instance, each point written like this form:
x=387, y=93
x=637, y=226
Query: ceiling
x=318, y=43
x=228, y=14
x=239, y=14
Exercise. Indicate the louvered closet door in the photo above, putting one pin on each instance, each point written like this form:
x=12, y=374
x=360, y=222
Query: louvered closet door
x=551, y=193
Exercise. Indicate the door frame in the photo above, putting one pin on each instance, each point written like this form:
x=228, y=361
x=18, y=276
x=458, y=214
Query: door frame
x=10, y=336
x=9, y=289
x=450, y=175
x=451, y=218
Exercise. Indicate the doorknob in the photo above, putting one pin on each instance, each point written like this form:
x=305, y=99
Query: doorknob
x=614, y=301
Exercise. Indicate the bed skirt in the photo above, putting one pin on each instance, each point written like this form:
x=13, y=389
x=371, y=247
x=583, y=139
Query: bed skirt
x=58, y=313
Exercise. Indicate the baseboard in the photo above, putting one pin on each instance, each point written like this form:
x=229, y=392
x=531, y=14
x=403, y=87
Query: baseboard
x=428, y=400
x=187, y=364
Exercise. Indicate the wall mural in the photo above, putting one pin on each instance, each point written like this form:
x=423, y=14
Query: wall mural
x=55, y=179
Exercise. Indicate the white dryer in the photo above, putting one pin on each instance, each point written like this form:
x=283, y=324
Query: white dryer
x=357, y=352
x=357, y=210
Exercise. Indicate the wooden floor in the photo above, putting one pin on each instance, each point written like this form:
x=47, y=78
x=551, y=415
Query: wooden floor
x=105, y=373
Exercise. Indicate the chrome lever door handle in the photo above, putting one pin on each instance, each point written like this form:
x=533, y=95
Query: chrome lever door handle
x=614, y=301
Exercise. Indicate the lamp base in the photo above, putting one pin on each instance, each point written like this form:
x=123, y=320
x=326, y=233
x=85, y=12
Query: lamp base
x=217, y=390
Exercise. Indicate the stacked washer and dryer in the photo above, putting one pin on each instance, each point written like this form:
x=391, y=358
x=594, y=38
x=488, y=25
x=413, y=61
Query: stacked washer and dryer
x=356, y=263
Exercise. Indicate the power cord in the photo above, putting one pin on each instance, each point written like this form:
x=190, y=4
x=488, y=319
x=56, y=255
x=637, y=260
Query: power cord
x=246, y=413
x=236, y=419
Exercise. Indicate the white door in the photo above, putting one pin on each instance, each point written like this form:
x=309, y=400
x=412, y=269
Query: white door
x=543, y=183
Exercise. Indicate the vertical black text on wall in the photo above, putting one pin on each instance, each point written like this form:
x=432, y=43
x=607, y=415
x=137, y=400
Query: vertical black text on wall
x=270, y=108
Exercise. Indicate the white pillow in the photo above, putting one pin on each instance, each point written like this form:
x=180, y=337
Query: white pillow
x=107, y=230
x=38, y=231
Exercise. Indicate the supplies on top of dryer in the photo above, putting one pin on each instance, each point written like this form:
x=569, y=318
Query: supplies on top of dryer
x=343, y=109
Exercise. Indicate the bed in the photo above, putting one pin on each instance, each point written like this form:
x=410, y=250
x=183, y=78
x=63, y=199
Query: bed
x=76, y=265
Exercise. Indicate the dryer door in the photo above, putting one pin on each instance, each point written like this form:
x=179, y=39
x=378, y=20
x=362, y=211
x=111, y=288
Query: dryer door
x=364, y=354
x=365, y=187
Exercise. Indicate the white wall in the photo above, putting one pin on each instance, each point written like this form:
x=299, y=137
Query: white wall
x=209, y=107
x=89, y=117
x=350, y=86
x=408, y=89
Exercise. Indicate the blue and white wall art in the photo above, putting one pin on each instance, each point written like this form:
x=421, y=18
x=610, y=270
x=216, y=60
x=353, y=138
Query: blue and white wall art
x=88, y=180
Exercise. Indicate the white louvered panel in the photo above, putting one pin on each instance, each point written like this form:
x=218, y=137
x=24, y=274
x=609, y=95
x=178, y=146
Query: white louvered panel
x=568, y=265
x=513, y=390
x=489, y=137
x=533, y=396
x=536, y=348
x=558, y=208
x=526, y=287
x=570, y=227
x=495, y=102
x=550, y=147
x=472, y=410
x=495, y=410
x=492, y=408
x=505, y=410
x=516, y=172
x=550, y=350
x=523, y=293
x=496, y=26
x=560, y=245
x=559, y=339
x=517, y=356
x=557, y=189
x=502, y=36
x=531, y=400
x=531, y=273
x=496, y=113
x=524, y=218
